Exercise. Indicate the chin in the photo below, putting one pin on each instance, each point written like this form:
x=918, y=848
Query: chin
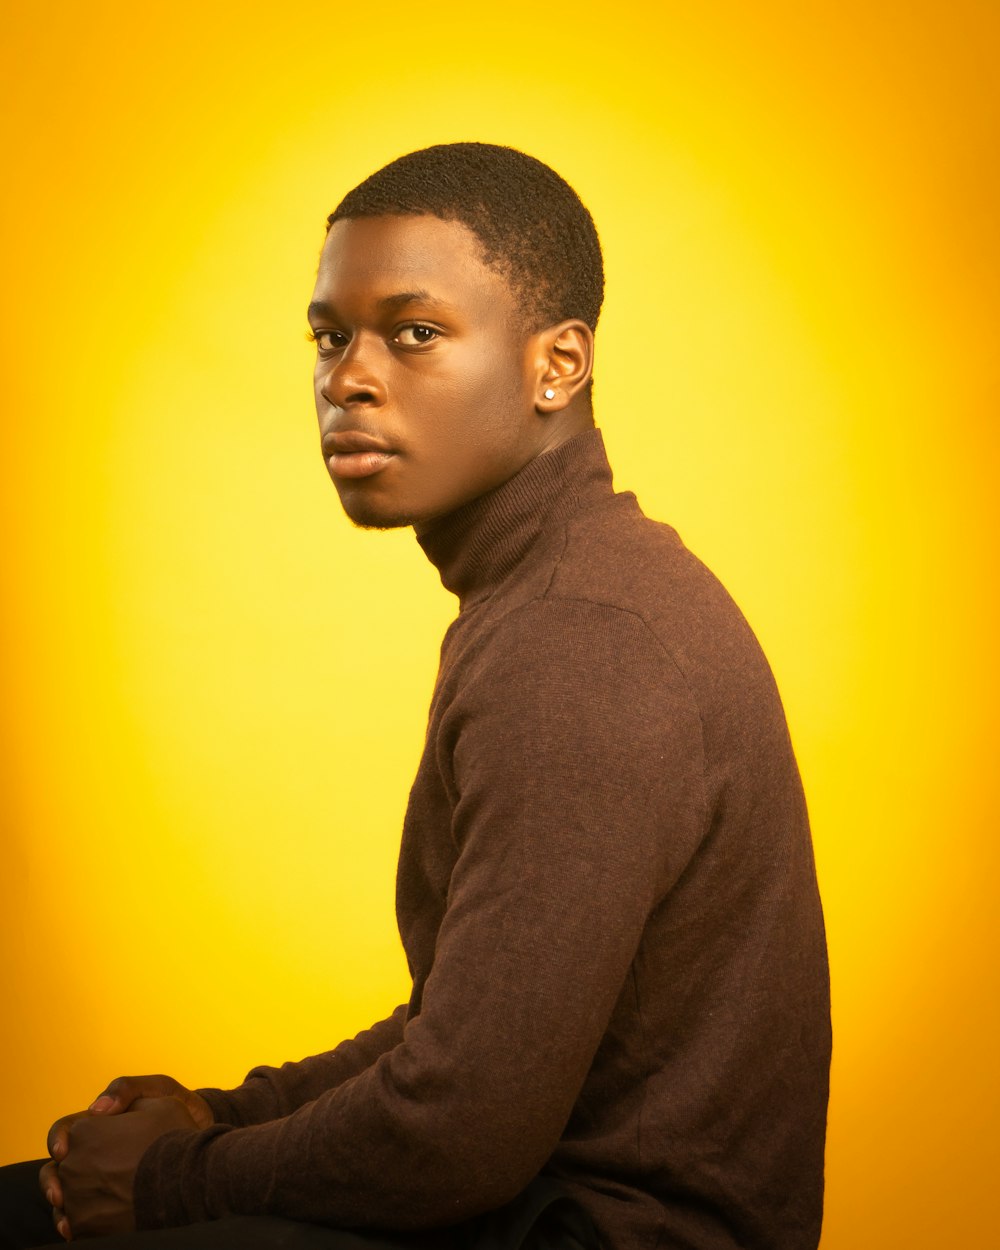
x=367, y=515
x=371, y=509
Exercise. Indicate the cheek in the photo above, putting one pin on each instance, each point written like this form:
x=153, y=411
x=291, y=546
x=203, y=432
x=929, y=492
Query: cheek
x=482, y=393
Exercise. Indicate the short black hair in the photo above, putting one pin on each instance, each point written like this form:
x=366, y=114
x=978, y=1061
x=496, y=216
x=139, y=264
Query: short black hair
x=531, y=224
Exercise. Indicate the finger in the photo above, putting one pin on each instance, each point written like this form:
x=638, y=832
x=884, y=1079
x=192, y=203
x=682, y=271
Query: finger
x=61, y=1223
x=58, y=1138
x=48, y=1179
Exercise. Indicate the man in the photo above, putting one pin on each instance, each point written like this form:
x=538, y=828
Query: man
x=618, y=1033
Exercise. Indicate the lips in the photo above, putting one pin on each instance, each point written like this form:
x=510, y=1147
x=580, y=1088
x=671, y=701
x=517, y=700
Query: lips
x=353, y=453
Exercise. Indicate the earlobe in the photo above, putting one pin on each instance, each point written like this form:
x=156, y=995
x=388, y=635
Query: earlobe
x=566, y=356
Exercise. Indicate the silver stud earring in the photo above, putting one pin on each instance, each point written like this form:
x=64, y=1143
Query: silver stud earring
x=550, y=393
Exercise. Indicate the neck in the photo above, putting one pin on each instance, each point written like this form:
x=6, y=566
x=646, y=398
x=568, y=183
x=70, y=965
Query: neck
x=479, y=545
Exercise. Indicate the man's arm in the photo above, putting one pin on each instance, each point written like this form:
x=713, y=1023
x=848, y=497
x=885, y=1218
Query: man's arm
x=575, y=760
x=267, y=1093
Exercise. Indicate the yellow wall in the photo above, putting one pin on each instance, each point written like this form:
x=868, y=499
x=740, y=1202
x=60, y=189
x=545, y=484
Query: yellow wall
x=214, y=688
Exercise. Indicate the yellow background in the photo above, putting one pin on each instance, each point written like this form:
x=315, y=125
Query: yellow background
x=214, y=689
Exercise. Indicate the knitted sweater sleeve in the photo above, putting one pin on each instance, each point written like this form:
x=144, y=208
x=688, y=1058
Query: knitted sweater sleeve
x=571, y=754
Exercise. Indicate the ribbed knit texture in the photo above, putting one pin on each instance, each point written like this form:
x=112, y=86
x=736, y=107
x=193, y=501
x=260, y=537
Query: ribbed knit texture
x=607, y=898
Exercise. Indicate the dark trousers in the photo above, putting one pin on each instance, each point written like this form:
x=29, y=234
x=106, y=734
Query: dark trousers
x=542, y=1218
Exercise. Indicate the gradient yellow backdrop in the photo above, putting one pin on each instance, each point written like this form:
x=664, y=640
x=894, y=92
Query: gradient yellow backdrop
x=214, y=689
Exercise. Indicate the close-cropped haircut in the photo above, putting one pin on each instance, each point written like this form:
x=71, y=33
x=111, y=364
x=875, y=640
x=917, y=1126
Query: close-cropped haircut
x=530, y=223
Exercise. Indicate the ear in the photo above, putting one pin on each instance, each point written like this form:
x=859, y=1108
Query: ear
x=564, y=363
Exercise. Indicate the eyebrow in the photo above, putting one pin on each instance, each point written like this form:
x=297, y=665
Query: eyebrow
x=389, y=303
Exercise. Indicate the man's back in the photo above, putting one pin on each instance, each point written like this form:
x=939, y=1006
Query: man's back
x=609, y=803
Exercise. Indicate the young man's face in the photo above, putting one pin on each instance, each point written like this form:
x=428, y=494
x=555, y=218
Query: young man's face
x=425, y=384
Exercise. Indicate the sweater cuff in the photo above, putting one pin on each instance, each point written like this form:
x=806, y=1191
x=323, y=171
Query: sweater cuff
x=170, y=1186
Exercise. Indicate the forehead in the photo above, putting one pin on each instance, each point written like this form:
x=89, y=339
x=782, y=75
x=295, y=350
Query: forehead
x=375, y=258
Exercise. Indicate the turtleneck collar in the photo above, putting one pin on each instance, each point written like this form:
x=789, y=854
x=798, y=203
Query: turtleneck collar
x=475, y=547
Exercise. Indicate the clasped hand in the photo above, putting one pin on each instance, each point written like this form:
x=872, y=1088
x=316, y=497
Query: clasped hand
x=95, y=1153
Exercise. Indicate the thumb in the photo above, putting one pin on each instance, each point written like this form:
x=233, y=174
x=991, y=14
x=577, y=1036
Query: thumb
x=118, y=1097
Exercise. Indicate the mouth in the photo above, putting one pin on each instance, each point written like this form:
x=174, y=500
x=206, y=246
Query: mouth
x=354, y=454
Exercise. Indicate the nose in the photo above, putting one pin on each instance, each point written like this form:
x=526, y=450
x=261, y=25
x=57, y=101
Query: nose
x=352, y=376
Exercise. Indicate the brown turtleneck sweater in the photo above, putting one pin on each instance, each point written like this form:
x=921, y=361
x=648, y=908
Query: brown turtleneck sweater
x=607, y=898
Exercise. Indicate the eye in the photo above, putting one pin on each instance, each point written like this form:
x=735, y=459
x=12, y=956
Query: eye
x=327, y=340
x=416, y=335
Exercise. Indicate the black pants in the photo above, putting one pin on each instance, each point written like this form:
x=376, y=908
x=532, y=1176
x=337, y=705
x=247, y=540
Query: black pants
x=541, y=1218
